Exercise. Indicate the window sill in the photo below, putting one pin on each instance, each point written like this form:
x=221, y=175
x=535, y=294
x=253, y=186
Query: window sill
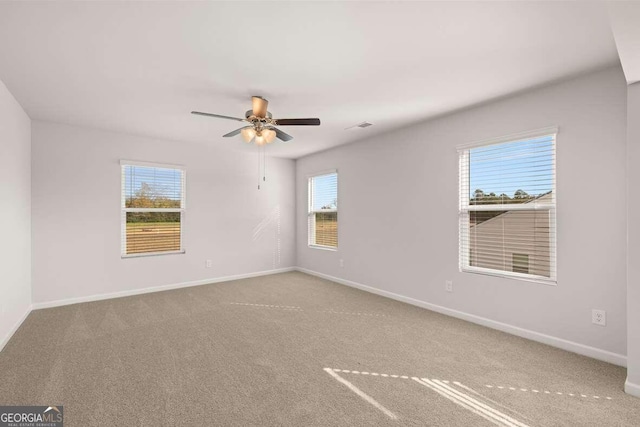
x=146, y=254
x=510, y=275
x=324, y=248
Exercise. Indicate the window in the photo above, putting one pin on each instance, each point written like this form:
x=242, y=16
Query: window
x=323, y=210
x=153, y=207
x=508, y=207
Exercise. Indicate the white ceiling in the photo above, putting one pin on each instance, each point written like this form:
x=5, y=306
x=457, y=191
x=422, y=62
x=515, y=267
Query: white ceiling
x=625, y=23
x=142, y=67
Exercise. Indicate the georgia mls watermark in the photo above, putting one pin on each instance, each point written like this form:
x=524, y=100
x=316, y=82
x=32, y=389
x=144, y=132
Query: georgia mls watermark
x=31, y=416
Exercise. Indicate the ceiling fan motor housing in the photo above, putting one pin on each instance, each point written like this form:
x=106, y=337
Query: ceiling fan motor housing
x=249, y=113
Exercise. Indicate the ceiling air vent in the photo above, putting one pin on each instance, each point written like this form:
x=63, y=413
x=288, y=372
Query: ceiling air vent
x=360, y=125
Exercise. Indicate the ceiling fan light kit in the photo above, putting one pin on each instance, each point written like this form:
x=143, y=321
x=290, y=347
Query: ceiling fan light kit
x=260, y=137
x=262, y=127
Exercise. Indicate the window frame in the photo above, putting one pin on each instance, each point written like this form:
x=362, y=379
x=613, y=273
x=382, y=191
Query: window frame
x=464, y=209
x=124, y=210
x=311, y=212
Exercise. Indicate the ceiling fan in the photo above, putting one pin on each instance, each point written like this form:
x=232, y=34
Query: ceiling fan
x=262, y=127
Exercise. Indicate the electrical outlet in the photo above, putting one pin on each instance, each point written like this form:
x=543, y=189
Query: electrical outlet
x=448, y=286
x=599, y=317
x=208, y=263
x=341, y=262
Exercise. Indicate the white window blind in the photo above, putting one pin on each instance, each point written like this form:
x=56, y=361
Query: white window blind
x=507, y=209
x=323, y=210
x=153, y=208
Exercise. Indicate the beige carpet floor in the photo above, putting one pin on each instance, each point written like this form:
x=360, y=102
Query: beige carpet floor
x=295, y=350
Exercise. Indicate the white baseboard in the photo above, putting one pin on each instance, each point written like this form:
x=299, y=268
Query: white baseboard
x=13, y=330
x=632, y=389
x=585, y=350
x=58, y=303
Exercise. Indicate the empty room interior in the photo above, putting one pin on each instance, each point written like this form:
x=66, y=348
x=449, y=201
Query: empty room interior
x=319, y=213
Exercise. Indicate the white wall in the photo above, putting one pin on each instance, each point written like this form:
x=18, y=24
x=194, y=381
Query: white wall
x=398, y=212
x=15, y=214
x=633, y=260
x=76, y=213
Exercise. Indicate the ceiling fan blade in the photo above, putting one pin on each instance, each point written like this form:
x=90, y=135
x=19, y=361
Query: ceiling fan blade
x=297, y=122
x=235, y=132
x=282, y=135
x=259, y=106
x=218, y=116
